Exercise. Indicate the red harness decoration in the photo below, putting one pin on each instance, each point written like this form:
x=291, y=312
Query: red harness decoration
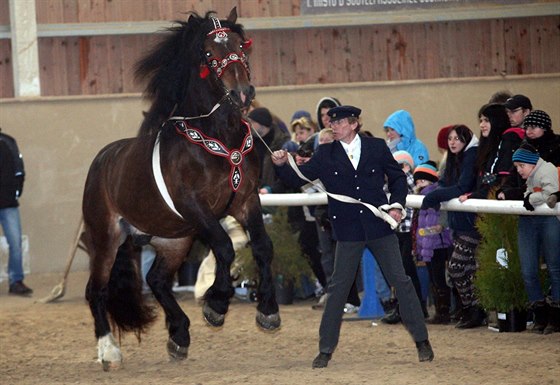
x=215, y=147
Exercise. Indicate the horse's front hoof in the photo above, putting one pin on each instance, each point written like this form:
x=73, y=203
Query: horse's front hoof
x=176, y=352
x=269, y=322
x=212, y=317
x=111, y=365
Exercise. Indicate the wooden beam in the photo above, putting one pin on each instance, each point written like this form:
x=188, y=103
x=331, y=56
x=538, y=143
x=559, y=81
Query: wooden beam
x=302, y=22
x=25, y=52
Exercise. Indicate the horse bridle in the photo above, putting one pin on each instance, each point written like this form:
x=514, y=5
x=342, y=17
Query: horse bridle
x=219, y=65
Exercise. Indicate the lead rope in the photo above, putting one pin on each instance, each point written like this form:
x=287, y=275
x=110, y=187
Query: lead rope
x=216, y=106
x=343, y=198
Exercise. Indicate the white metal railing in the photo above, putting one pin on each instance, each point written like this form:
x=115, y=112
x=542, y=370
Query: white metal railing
x=414, y=201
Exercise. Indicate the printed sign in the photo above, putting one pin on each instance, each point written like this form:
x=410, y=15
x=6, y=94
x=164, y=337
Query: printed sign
x=319, y=7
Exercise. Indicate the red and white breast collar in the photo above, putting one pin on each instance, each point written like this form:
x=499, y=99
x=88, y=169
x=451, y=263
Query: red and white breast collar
x=213, y=146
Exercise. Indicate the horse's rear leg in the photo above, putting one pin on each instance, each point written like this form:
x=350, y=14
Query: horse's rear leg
x=268, y=317
x=160, y=279
x=108, y=352
x=102, y=260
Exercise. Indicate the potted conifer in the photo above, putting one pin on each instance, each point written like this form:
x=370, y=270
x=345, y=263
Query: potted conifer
x=498, y=280
x=288, y=264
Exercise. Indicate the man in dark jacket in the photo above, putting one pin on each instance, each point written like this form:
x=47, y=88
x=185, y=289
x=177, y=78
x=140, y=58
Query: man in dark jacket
x=11, y=185
x=356, y=167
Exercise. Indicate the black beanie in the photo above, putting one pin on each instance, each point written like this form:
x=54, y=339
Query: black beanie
x=538, y=118
x=261, y=116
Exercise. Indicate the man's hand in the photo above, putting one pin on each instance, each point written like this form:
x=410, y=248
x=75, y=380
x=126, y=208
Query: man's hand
x=396, y=214
x=279, y=157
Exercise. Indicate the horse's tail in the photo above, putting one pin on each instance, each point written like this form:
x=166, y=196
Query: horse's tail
x=125, y=304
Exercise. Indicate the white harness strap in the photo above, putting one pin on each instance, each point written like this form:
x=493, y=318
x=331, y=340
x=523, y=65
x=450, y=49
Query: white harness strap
x=346, y=199
x=158, y=176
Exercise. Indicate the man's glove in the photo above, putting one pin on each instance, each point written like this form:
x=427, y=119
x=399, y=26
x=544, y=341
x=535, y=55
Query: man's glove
x=526, y=203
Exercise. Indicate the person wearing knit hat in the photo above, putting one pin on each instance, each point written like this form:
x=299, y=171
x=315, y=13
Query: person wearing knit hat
x=537, y=119
x=525, y=154
x=404, y=234
x=273, y=138
x=433, y=240
x=539, y=236
x=404, y=157
x=442, y=138
x=301, y=114
x=262, y=116
x=539, y=134
x=426, y=171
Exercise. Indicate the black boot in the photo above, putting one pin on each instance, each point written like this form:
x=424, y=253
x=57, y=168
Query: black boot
x=553, y=318
x=321, y=361
x=473, y=317
x=392, y=315
x=443, y=303
x=425, y=352
x=540, y=320
x=457, y=313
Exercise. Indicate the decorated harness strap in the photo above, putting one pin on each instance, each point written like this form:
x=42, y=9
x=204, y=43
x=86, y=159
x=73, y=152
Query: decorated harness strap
x=215, y=147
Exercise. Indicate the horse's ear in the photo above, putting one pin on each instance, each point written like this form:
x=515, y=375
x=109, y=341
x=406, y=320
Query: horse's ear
x=191, y=19
x=233, y=15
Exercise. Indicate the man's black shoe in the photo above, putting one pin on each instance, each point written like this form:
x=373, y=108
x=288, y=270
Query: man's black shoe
x=19, y=288
x=322, y=360
x=425, y=352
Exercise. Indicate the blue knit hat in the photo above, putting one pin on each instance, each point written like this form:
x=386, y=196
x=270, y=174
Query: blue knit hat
x=300, y=114
x=526, y=154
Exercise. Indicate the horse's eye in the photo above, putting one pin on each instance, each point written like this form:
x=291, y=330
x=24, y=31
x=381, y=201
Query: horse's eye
x=208, y=54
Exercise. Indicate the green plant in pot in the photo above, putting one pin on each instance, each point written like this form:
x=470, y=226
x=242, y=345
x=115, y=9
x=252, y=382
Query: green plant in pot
x=498, y=280
x=288, y=264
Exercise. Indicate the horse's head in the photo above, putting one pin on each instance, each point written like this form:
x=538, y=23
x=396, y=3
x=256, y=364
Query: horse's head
x=194, y=65
x=225, y=60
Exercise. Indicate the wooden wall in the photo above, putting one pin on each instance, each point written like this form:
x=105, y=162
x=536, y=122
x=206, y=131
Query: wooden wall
x=454, y=49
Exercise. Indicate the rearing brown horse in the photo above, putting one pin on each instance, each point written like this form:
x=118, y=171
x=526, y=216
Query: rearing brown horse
x=174, y=182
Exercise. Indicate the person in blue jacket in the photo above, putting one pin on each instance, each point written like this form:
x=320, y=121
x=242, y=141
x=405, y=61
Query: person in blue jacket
x=401, y=136
x=459, y=178
x=357, y=167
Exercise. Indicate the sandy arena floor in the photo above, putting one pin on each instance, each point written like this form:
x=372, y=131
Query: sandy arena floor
x=54, y=344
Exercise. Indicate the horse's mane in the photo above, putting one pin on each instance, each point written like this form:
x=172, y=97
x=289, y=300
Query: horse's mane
x=169, y=66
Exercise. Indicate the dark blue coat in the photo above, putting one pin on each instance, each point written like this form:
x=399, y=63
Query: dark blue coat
x=330, y=164
x=459, y=221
